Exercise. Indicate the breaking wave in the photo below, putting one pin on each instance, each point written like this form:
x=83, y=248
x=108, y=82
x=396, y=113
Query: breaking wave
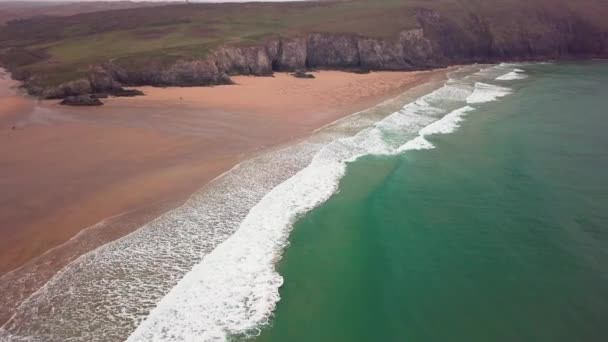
x=516, y=74
x=486, y=93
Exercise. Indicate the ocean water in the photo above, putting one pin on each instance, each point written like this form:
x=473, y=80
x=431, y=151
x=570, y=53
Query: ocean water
x=473, y=209
x=499, y=233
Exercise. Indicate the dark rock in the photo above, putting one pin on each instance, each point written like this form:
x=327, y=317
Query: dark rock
x=53, y=93
x=380, y=54
x=291, y=55
x=81, y=100
x=102, y=80
x=225, y=79
x=72, y=88
x=302, y=74
x=244, y=60
x=77, y=87
x=198, y=72
x=126, y=92
x=33, y=90
x=332, y=50
x=99, y=96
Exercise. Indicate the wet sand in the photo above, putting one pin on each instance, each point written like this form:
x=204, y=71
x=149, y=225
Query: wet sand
x=113, y=168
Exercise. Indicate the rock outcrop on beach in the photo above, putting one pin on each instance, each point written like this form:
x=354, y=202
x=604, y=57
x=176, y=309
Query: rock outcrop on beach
x=302, y=74
x=99, y=82
x=68, y=89
x=437, y=41
x=81, y=100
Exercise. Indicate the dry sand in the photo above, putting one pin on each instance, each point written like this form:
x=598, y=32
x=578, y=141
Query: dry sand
x=115, y=167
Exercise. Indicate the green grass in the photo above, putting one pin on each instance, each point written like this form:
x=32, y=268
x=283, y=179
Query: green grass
x=76, y=42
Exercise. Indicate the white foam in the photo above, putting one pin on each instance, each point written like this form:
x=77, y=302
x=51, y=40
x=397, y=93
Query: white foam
x=516, y=74
x=452, y=91
x=418, y=143
x=486, y=93
x=448, y=124
x=235, y=288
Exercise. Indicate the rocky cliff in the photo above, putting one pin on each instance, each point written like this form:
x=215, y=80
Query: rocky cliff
x=436, y=42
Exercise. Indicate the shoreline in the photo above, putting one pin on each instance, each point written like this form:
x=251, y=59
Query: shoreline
x=241, y=272
x=97, y=234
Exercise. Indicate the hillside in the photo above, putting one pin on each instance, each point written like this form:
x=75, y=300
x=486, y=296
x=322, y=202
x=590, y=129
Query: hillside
x=12, y=10
x=200, y=44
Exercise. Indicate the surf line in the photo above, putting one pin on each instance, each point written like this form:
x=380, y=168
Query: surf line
x=235, y=288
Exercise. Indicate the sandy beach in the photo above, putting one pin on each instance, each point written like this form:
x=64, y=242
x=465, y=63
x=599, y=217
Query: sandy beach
x=113, y=168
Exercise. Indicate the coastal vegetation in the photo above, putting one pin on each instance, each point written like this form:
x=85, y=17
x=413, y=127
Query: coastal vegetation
x=46, y=52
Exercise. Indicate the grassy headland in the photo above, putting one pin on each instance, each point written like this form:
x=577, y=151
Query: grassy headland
x=59, y=49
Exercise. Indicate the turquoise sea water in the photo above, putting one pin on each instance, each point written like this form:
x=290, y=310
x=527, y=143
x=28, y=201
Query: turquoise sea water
x=500, y=233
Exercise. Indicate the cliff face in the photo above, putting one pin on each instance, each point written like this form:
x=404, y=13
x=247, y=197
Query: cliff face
x=437, y=42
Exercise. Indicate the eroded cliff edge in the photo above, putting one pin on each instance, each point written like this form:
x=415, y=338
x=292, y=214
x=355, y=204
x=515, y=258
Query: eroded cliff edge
x=436, y=42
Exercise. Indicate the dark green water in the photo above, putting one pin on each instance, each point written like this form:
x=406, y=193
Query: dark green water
x=498, y=234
